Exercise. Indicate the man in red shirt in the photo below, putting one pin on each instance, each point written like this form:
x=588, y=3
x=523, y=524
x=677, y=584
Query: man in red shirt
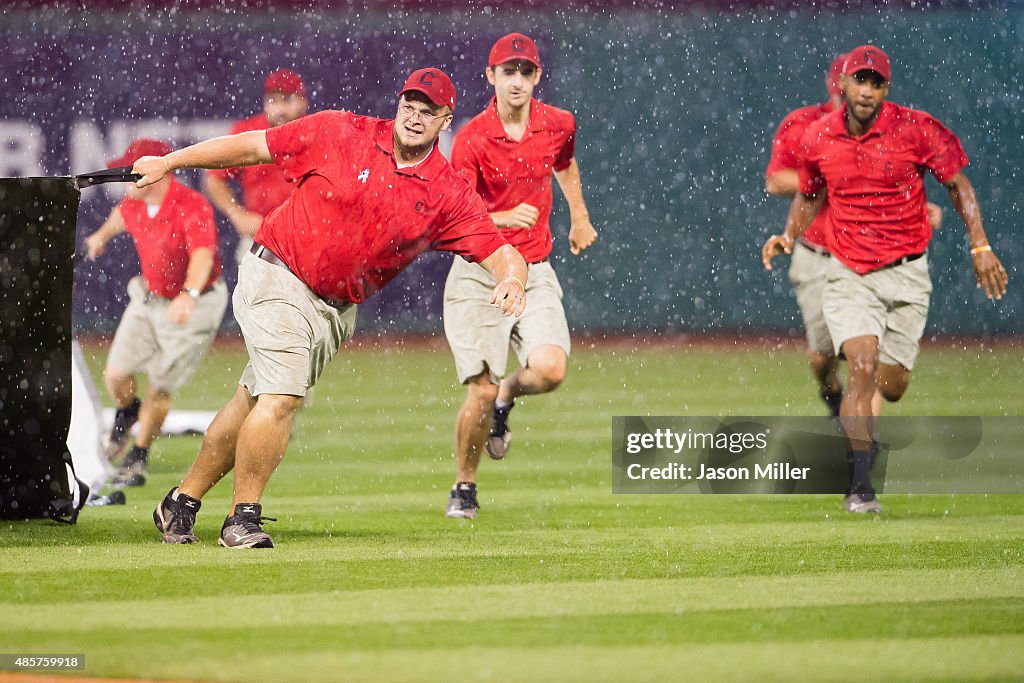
x=811, y=257
x=870, y=158
x=264, y=187
x=175, y=307
x=370, y=196
x=509, y=153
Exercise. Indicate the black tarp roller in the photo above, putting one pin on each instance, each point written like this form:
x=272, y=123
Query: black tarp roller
x=37, y=253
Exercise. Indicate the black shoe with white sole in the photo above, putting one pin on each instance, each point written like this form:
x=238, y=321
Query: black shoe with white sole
x=243, y=530
x=175, y=517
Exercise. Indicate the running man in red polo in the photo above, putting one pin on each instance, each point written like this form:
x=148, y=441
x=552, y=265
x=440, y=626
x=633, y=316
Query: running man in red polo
x=264, y=187
x=870, y=158
x=811, y=257
x=371, y=195
x=509, y=153
x=175, y=307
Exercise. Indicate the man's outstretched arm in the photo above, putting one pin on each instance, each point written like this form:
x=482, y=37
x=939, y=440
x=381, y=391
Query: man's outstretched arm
x=244, y=149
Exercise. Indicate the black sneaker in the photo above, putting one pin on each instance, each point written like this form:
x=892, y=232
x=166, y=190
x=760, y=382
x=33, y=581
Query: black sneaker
x=124, y=419
x=132, y=471
x=462, y=501
x=242, y=529
x=500, y=437
x=176, y=518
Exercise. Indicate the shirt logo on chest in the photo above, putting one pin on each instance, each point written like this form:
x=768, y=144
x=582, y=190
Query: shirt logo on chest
x=363, y=175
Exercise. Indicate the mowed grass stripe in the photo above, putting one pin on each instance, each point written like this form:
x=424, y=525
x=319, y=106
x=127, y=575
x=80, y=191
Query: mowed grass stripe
x=774, y=637
x=965, y=658
x=541, y=600
x=934, y=619
x=320, y=569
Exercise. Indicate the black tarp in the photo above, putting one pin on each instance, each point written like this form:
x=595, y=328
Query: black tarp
x=37, y=242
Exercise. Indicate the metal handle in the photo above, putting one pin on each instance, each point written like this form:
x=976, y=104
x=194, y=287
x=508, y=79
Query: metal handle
x=121, y=174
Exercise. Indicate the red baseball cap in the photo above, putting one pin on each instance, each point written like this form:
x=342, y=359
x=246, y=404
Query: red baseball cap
x=867, y=57
x=143, y=147
x=433, y=83
x=834, y=72
x=285, y=81
x=512, y=47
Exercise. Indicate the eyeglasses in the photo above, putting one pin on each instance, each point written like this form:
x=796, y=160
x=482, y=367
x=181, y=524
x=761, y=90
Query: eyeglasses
x=408, y=111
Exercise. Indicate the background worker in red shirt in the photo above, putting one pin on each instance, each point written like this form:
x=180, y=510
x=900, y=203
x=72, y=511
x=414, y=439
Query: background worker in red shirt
x=509, y=153
x=264, y=187
x=811, y=257
x=869, y=157
x=175, y=307
x=372, y=194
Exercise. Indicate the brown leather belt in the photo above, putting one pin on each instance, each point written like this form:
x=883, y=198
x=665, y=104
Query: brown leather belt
x=264, y=253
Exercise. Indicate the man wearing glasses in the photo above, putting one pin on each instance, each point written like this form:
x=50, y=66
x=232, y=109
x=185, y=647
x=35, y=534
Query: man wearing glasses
x=509, y=153
x=370, y=196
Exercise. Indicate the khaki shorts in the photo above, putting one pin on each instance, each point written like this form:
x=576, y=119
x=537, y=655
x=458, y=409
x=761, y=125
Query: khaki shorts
x=807, y=275
x=890, y=304
x=291, y=334
x=242, y=248
x=146, y=341
x=478, y=333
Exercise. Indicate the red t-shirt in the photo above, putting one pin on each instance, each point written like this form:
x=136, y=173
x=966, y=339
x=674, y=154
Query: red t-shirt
x=264, y=187
x=166, y=241
x=506, y=172
x=786, y=156
x=356, y=220
x=876, y=182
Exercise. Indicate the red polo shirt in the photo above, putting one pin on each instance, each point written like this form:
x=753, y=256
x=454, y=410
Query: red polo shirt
x=875, y=182
x=506, y=172
x=264, y=187
x=166, y=241
x=786, y=156
x=356, y=220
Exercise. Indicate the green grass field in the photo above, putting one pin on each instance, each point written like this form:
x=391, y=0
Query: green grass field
x=558, y=579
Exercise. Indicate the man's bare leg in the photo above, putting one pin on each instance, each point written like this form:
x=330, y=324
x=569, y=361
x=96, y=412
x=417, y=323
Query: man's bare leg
x=857, y=417
x=217, y=454
x=472, y=426
x=262, y=442
x=544, y=372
